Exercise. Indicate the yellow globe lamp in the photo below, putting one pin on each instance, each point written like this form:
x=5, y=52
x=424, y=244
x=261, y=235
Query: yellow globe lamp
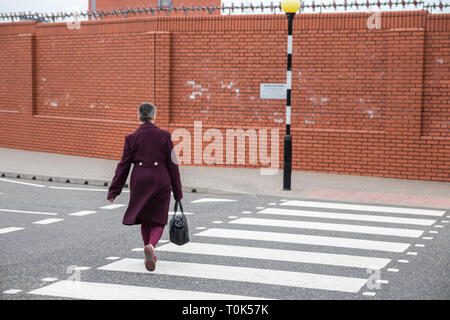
x=290, y=6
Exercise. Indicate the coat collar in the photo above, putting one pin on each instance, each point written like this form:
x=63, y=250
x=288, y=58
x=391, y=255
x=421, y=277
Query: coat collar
x=147, y=125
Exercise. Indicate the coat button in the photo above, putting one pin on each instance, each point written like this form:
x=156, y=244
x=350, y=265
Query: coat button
x=140, y=163
x=156, y=163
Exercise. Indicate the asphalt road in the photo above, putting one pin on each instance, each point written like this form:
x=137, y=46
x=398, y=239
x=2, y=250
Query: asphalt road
x=77, y=246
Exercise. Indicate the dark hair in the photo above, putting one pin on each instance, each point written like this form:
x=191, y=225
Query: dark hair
x=146, y=111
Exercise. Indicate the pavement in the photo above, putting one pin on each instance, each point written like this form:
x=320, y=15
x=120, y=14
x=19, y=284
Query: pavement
x=94, y=171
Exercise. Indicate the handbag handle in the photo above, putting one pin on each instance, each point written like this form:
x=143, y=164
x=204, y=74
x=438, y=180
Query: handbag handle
x=176, y=207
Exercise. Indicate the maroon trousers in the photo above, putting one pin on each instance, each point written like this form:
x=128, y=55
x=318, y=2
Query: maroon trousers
x=151, y=232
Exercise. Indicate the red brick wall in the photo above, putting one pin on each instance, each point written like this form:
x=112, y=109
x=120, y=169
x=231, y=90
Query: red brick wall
x=364, y=101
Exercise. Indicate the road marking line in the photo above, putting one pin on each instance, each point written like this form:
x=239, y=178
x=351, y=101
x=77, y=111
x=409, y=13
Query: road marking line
x=254, y=275
x=272, y=204
x=432, y=231
x=112, y=258
x=427, y=238
x=411, y=253
x=260, y=208
x=75, y=188
x=438, y=226
x=137, y=249
x=200, y=228
x=30, y=212
x=305, y=239
x=49, y=279
x=25, y=183
x=211, y=200
x=278, y=255
x=113, y=206
x=345, y=216
x=10, y=229
x=233, y=217
x=419, y=245
x=246, y=212
x=217, y=221
x=82, y=213
x=444, y=221
x=360, y=207
x=411, y=233
x=393, y=270
x=382, y=281
x=47, y=221
x=403, y=261
x=107, y=291
x=369, y=293
x=163, y=241
x=12, y=291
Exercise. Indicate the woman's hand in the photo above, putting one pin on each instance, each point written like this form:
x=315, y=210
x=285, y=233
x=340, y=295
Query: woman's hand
x=111, y=200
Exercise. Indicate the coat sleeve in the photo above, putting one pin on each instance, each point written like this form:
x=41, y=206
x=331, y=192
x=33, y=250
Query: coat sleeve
x=174, y=172
x=122, y=170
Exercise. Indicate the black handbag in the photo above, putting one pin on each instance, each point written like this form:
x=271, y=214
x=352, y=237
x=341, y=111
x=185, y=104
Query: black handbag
x=179, y=231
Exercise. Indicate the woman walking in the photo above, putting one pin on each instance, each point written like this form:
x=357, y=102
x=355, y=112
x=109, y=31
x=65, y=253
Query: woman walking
x=155, y=174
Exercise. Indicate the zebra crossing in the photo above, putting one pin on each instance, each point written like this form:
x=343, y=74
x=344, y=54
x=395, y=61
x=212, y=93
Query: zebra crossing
x=373, y=237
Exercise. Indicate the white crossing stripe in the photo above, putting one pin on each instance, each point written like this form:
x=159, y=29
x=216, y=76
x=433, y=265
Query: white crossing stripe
x=113, y=206
x=47, y=221
x=105, y=291
x=278, y=255
x=346, y=216
x=360, y=207
x=82, y=213
x=211, y=200
x=30, y=212
x=10, y=229
x=392, y=270
x=367, y=293
x=25, y=183
x=254, y=275
x=305, y=239
x=411, y=233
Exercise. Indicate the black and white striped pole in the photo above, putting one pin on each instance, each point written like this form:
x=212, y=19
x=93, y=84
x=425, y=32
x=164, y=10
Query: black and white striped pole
x=290, y=7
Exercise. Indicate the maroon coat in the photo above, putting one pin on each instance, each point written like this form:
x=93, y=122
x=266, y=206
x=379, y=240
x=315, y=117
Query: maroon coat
x=154, y=175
